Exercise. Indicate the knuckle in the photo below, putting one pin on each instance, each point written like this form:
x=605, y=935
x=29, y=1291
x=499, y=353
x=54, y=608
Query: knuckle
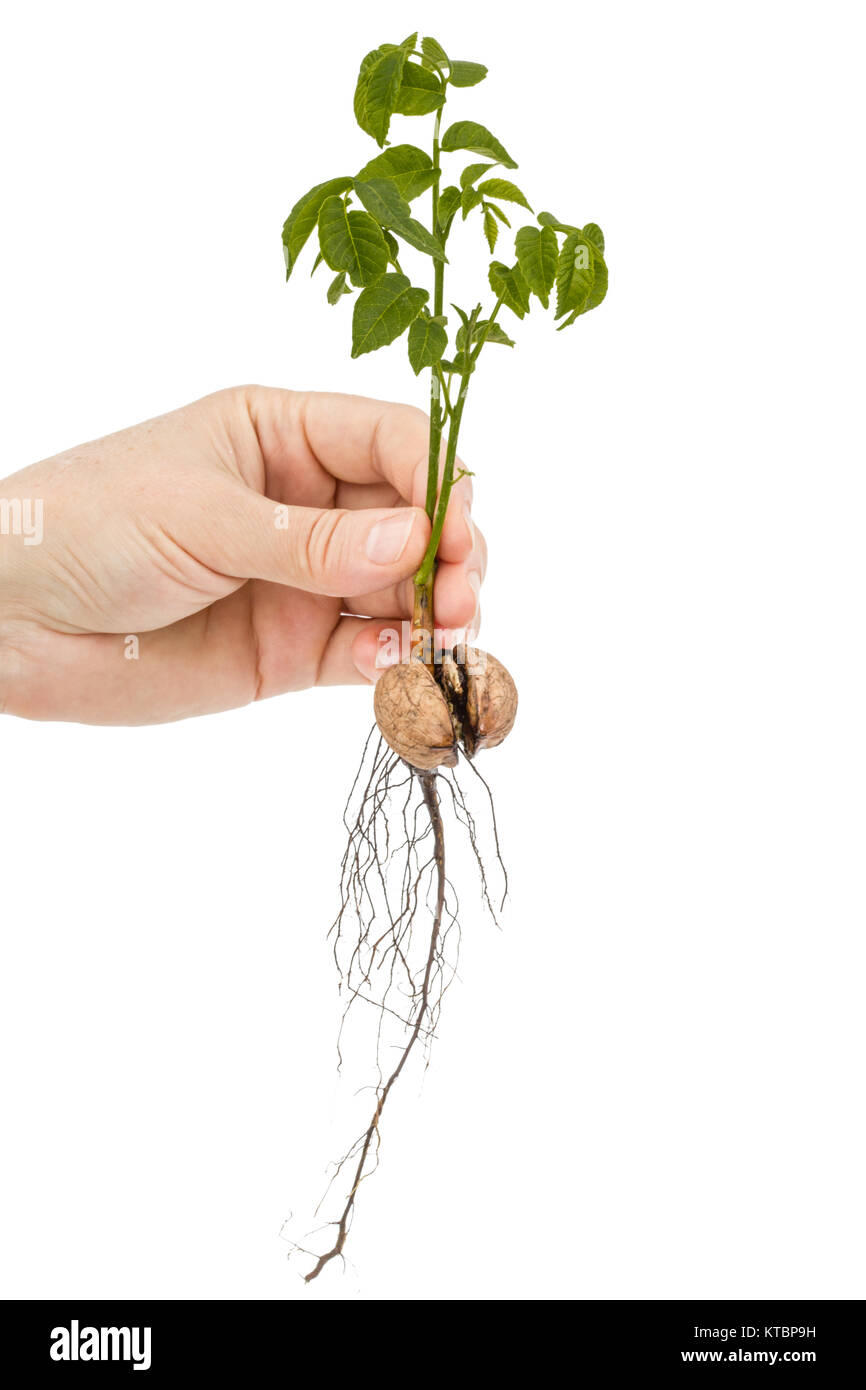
x=324, y=544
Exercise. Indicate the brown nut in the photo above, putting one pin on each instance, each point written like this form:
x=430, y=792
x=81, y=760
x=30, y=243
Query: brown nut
x=491, y=701
x=413, y=717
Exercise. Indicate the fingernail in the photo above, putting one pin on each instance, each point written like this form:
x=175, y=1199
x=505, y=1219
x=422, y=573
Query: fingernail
x=387, y=540
x=470, y=524
x=372, y=663
x=386, y=655
x=474, y=582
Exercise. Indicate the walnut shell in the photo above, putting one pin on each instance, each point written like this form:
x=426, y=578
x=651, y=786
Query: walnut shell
x=491, y=701
x=413, y=716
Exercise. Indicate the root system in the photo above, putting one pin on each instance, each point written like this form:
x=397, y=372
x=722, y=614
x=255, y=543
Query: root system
x=396, y=937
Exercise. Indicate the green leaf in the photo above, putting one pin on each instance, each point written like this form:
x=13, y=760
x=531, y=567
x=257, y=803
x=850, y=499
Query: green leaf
x=434, y=53
x=599, y=284
x=360, y=99
x=469, y=199
x=595, y=235
x=501, y=188
x=499, y=213
x=420, y=92
x=461, y=364
x=574, y=275
x=508, y=282
x=537, y=251
x=378, y=89
x=495, y=334
x=547, y=219
x=468, y=135
x=473, y=172
x=338, y=288
x=467, y=74
x=417, y=235
x=381, y=198
x=304, y=216
x=411, y=169
x=490, y=332
x=449, y=202
x=392, y=244
x=383, y=311
x=585, y=289
x=427, y=342
x=462, y=335
x=491, y=229
x=352, y=241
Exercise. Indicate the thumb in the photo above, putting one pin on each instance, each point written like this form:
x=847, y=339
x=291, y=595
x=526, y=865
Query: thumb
x=325, y=551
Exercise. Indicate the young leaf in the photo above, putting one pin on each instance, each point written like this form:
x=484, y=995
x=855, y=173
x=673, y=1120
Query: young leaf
x=461, y=364
x=494, y=207
x=468, y=135
x=537, y=250
x=304, y=216
x=491, y=228
x=427, y=342
x=462, y=335
x=547, y=219
x=449, y=202
x=378, y=90
x=383, y=311
x=469, y=199
x=574, y=275
x=595, y=235
x=467, y=74
x=494, y=334
x=490, y=332
x=420, y=92
x=434, y=53
x=381, y=199
x=501, y=188
x=411, y=169
x=352, y=241
x=338, y=288
x=508, y=282
x=473, y=172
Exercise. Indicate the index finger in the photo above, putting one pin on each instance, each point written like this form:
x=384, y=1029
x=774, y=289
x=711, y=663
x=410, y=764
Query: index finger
x=312, y=440
x=353, y=439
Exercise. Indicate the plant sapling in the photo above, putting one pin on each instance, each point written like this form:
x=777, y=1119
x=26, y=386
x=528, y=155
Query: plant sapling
x=439, y=707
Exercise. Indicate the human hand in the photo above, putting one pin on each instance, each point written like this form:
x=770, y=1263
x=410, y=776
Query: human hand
x=254, y=542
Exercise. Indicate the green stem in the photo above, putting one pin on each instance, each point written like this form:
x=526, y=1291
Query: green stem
x=444, y=388
x=487, y=327
x=435, y=382
x=424, y=577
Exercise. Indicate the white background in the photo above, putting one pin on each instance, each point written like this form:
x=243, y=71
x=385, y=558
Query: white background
x=650, y=1083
